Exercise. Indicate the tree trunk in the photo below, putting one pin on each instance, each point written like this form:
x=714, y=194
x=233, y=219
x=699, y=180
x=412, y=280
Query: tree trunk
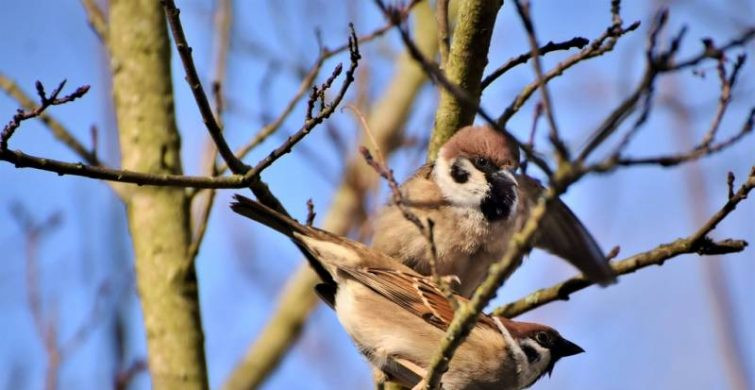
x=158, y=216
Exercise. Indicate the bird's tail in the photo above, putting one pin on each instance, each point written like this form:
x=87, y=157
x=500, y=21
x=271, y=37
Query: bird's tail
x=264, y=215
x=287, y=226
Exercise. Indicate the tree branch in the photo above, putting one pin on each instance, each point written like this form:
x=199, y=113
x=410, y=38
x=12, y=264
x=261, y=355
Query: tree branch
x=698, y=242
x=45, y=101
x=576, y=42
x=562, y=153
x=192, y=78
x=466, y=61
x=96, y=19
x=599, y=46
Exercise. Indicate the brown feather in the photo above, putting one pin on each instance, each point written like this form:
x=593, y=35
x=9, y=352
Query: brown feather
x=564, y=235
x=483, y=141
x=416, y=294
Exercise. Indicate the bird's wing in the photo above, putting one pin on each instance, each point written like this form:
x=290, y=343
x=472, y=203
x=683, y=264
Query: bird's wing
x=414, y=293
x=562, y=234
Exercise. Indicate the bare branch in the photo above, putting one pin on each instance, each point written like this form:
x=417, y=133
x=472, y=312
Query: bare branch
x=698, y=242
x=578, y=42
x=538, y=112
x=710, y=51
x=192, y=78
x=96, y=19
x=562, y=153
x=223, y=22
x=124, y=378
x=23, y=160
x=92, y=321
x=724, y=98
x=663, y=62
x=58, y=129
x=325, y=111
x=696, y=153
x=297, y=300
x=46, y=326
x=273, y=126
x=599, y=46
x=45, y=101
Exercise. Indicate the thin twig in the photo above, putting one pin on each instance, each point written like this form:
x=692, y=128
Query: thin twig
x=648, y=91
x=578, y=42
x=611, y=163
x=426, y=228
x=659, y=63
x=92, y=321
x=710, y=51
x=96, y=19
x=270, y=128
x=192, y=78
x=562, y=153
x=427, y=231
x=306, y=84
x=537, y=113
x=46, y=328
x=23, y=160
x=698, y=242
x=599, y=46
x=45, y=101
x=724, y=98
x=223, y=23
x=625, y=108
x=56, y=128
x=123, y=378
x=325, y=111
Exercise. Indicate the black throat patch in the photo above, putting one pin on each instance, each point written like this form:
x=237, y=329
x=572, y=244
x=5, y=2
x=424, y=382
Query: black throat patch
x=500, y=198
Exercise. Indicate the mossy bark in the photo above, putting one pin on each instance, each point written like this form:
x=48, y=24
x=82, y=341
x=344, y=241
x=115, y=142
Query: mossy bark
x=467, y=59
x=158, y=217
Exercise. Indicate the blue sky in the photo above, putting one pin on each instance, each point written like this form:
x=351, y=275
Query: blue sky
x=655, y=329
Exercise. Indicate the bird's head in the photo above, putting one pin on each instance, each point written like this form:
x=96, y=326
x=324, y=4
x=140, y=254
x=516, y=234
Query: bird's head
x=542, y=347
x=475, y=169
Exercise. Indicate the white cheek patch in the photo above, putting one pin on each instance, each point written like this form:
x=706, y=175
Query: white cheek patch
x=533, y=370
x=468, y=194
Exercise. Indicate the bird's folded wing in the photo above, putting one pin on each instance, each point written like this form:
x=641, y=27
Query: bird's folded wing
x=415, y=294
x=564, y=235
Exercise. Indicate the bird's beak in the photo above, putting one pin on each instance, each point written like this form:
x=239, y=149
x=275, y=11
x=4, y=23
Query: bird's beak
x=564, y=347
x=505, y=175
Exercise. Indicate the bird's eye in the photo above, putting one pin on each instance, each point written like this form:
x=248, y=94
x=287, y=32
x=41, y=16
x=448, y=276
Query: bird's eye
x=482, y=163
x=542, y=338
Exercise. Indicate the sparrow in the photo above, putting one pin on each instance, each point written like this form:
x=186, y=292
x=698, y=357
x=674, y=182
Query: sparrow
x=398, y=317
x=477, y=202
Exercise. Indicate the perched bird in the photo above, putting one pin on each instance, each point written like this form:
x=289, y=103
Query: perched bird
x=398, y=317
x=477, y=203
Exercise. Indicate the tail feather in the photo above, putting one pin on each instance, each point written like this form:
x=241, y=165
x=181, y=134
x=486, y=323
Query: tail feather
x=264, y=215
x=283, y=224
